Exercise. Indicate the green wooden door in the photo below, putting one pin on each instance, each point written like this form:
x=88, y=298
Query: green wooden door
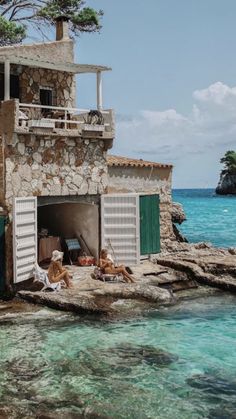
x=2, y=253
x=149, y=224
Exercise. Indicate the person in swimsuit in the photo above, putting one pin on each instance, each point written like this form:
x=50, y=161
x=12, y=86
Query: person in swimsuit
x=56, y=272
x=107, y=266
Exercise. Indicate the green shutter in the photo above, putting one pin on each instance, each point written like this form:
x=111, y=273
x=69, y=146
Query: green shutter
x=2, y=253
x=149, y=224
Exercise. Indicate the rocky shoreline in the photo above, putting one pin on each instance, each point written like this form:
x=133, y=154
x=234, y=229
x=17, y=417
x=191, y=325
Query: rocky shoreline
x=180, y=268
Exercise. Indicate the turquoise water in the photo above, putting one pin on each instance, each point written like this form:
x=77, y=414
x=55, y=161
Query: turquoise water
x=210, y=217
x=173, y=363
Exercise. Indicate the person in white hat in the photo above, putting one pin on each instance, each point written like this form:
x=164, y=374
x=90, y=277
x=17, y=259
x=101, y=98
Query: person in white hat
x=56, y=272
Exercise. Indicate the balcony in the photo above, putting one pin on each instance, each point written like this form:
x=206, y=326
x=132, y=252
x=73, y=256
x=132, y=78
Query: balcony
x=28, y=119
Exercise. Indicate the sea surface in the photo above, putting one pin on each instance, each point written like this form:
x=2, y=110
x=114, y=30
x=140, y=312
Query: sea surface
x=176, y=362
x=210, y=217
x=172, y=363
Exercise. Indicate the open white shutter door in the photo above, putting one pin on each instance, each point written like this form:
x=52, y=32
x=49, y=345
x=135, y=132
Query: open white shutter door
x=24, y=237
x=120, y=227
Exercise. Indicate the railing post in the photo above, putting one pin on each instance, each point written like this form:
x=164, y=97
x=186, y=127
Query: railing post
x=99, y=90
x=6, y=80
x=65, y=119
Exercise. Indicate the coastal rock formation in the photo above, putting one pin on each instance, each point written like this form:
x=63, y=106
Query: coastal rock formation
x=178, y=217
x=97, y=297
x=178, y=271
x=202, y=262
x=227, y=184
x=177, y=213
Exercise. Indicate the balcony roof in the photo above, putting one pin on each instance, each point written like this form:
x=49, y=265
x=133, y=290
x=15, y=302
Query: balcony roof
x=66, y=67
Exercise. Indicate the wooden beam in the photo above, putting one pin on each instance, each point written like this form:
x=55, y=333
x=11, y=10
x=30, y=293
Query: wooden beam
x=6, y=80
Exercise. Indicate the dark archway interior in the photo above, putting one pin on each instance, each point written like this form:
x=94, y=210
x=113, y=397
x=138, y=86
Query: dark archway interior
x=71, y=220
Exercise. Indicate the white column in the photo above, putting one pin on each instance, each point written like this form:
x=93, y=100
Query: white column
x=6, y=80
x=99, y=90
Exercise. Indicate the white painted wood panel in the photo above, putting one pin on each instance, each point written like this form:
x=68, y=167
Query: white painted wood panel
x=120, y=227
x=24, y=237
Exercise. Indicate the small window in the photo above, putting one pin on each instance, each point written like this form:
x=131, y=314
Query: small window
x=46, y=97
x=14, y=87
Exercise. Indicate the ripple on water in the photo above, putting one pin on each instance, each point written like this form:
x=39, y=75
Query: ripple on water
x=175, y=363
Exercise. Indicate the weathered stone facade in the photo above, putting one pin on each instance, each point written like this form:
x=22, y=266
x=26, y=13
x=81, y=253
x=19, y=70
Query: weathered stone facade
x=145, y=180
x=52, y=167
x=40, y=155
x=61, y=83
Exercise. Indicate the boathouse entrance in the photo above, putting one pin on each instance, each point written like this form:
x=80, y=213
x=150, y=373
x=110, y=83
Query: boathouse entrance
x=128, y=225
x=52, y=219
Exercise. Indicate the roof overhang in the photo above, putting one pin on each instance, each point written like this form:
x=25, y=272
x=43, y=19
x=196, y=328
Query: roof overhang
x=66, y=67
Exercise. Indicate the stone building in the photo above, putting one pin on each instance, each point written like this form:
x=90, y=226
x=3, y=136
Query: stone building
x=52, y=155
x=55, y=178
x=144, y=178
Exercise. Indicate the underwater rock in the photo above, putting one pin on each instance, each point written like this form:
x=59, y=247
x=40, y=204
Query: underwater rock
x=134, y=355
x=222, y=413
x=90, y=413
x=59, y=415
x=24, y=369
x=212, y=384
x=148, y=354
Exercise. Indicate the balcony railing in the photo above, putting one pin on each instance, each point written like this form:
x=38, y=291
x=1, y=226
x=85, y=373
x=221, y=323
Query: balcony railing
x=32, y=117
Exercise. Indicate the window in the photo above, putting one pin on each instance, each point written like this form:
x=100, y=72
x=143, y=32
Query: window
x=14, y=87
x=46, y=97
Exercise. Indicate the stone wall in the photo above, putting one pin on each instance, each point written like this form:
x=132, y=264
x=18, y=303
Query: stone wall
x=61, y=167
x=146, y=180
x=61, y=83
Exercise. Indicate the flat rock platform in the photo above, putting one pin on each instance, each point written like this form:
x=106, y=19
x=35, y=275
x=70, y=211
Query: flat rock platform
x=180, y=270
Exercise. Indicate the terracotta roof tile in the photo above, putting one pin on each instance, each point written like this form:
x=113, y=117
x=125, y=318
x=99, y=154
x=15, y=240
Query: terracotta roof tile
x=126, y=161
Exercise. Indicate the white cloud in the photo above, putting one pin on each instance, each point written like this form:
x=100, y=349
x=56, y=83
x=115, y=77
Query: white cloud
x=189, y=141
x=217, y=93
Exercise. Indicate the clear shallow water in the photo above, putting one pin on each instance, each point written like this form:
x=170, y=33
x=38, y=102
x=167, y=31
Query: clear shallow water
x=210, y=217
x=51, y=363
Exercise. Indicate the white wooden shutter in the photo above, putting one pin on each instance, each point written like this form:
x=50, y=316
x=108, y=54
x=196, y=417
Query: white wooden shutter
x=24, y=237
x=120, y=227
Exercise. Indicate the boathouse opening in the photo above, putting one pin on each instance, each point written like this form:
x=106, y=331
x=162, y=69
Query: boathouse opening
x=65, y=218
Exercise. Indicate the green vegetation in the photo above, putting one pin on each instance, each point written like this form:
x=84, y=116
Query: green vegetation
x=10, y=32
x=229, y=161
x=16, y=16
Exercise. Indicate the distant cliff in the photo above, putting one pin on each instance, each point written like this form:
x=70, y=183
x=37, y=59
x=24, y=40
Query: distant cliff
x=227, y=184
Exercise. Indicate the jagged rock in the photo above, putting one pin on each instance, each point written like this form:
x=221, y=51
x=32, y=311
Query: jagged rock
x=96, y=296
x=232, y=250
x=178, y=235
x=203, y=263
x=227, y=184
x=178, y=216
x=177, y=213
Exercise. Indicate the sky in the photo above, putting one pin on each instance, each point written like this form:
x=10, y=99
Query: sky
x=173, y=82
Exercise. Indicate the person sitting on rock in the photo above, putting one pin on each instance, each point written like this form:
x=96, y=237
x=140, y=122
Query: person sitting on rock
x=56, y=272
x=107, y=266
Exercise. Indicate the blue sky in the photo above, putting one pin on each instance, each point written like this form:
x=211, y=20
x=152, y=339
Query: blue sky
x=172, y=84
